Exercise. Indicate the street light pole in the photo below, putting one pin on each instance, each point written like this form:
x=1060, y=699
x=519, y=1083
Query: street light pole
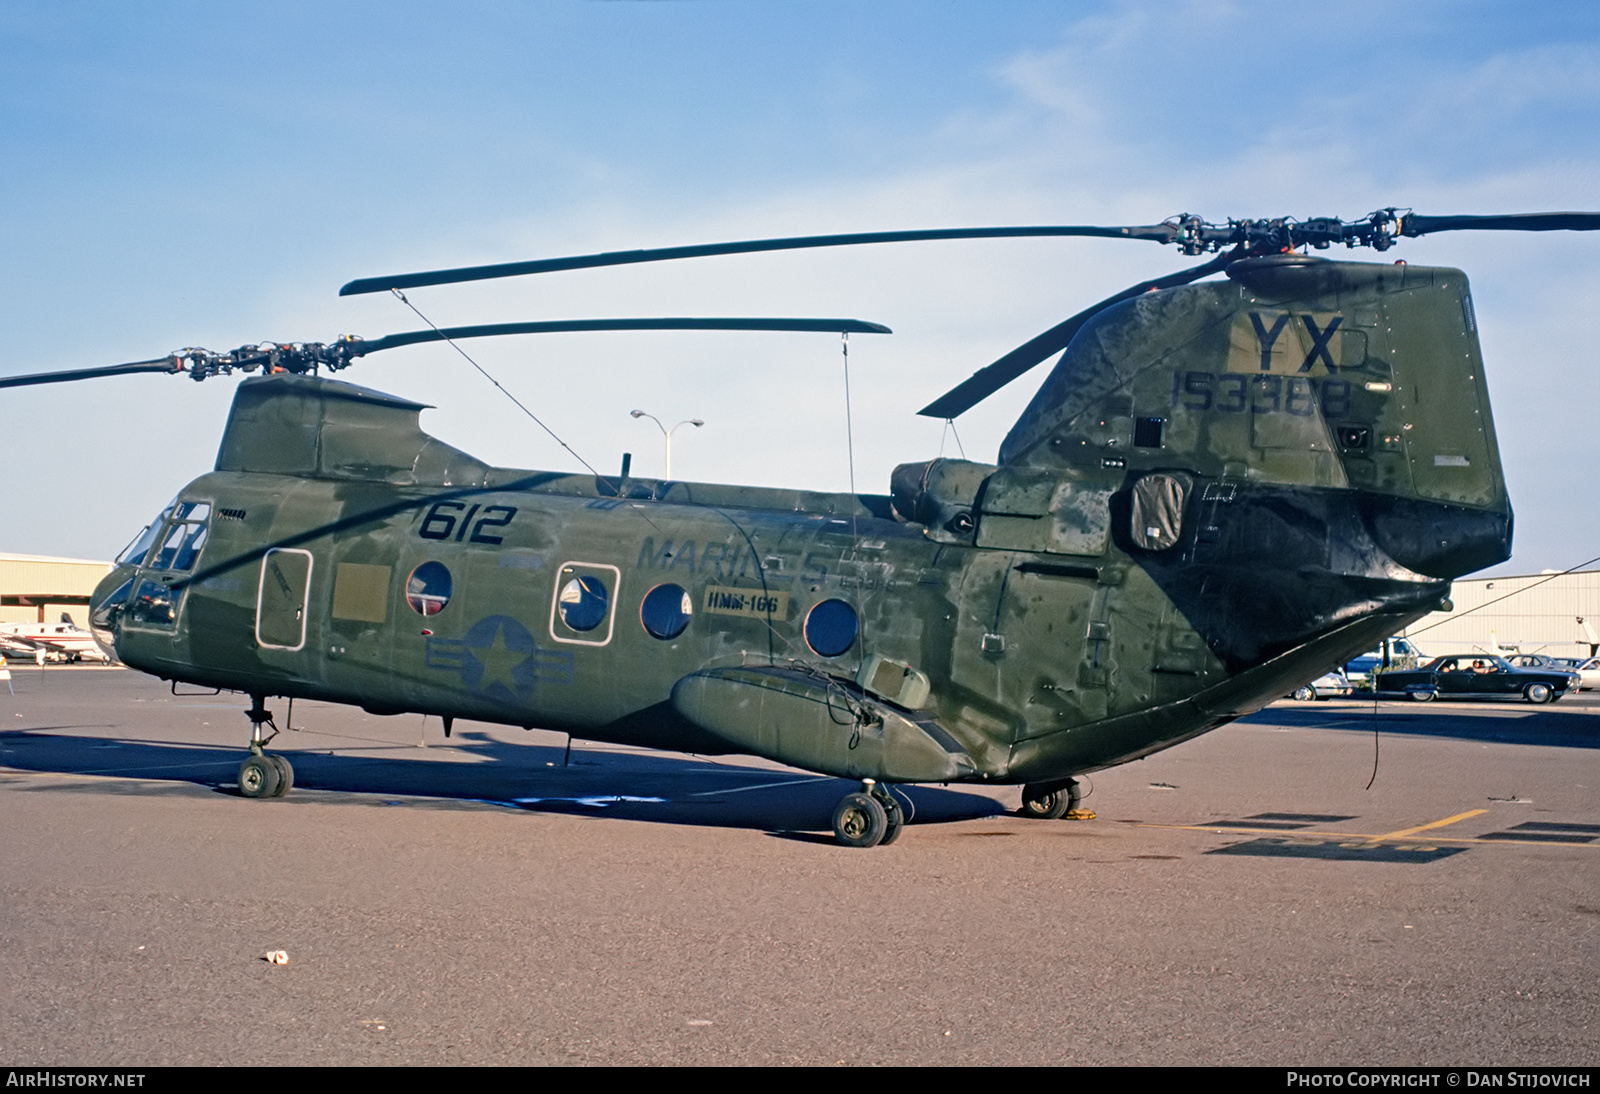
x=667, y=433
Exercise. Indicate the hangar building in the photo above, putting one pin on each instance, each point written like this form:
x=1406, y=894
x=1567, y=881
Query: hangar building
x=1551, y=613
x=36, y=589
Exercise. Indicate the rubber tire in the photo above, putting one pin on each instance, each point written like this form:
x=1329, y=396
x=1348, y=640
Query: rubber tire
x=1046, y=805
x=1423, y=696
x=1539, y=693
x=1307, y=694
x=258, y=778
x=897, y=822
x=860, y=820
x=285, y=774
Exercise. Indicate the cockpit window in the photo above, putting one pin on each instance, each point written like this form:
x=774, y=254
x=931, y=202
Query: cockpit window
x=171, y=544
x=155, y=605
x=133, y=554
x=186, y=534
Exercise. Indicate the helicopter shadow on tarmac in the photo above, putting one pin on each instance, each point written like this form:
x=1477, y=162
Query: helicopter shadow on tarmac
x=1499, y=723
x=665, y=788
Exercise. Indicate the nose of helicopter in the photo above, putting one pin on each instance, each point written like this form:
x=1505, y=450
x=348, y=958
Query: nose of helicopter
x=105, y=608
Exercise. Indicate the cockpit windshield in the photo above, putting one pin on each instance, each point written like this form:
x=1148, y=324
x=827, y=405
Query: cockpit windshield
x=170, y=545
x=186, y=534
x=184, y=523
x=133, y=554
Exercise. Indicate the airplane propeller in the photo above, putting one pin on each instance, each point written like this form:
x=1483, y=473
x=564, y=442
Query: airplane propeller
x=341, y=353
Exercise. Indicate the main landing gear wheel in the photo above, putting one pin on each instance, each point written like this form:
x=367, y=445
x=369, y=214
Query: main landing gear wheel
x=1050, y=801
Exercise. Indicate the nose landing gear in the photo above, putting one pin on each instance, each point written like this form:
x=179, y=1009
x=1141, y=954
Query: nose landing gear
x=262, y=775
x=870, y=817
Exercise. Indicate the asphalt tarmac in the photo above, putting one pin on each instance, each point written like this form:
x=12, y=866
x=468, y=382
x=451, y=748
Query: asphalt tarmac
x=1240, y=899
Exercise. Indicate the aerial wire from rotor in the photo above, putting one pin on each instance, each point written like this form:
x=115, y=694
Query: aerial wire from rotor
x=855, y=533
x=400, y=296
x=451, y=342
x=1374, y=739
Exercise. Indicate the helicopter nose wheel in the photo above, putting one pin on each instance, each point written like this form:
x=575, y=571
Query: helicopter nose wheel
x=259, y=778
x=261, y=775
x=1054, y=800
x=870, y=817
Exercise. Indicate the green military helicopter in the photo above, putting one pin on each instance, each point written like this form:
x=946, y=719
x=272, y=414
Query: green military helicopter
x=1223, y=489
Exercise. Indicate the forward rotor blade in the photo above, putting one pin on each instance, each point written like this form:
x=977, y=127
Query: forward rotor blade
x=1160, y=233
x=486, y=330
x=165, y=364
x=991, y=378
x=1415, y=225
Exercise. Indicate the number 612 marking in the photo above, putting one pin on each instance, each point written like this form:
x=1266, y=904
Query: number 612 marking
x=442, y=521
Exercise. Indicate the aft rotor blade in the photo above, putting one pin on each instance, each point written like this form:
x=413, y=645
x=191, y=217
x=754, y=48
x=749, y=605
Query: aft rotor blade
x=1416, y=225
x=1159, y=233
x=486, y=330
x=165, y=364
x=991, y=378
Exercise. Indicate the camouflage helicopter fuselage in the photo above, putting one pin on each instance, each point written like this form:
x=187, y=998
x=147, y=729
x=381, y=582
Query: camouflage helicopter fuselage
x=1222, y=491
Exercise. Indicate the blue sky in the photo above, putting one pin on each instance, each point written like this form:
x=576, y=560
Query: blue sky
x=198, y=174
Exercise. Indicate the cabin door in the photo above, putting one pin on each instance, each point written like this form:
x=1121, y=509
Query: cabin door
x=281, y=601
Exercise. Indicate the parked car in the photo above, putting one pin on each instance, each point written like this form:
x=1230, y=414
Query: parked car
x=1402, y=655
x=1588, y=669
x=1538, y=661
x=1475, y=676
x=1588, y=673
x=1326, y=686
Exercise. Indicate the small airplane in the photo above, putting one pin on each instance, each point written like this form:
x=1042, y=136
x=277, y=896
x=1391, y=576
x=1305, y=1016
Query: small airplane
x=1224, y=489
x=63, y=641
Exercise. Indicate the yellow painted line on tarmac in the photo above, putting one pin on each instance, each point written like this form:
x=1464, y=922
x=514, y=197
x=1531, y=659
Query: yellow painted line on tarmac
x=1404, y=832
x=1313, y=833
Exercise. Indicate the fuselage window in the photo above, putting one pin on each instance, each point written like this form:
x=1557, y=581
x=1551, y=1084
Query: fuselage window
x=830, y=628
x=1157, y=518
x=666, y=611
x=428, y=588
x=583, y=602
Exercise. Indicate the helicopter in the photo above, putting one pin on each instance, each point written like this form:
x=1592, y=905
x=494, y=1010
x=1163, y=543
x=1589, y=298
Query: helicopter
x=1223, y=489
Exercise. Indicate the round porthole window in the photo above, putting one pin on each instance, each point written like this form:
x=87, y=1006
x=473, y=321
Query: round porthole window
x=428, y=588
x=831, y=628
x=583, y=602
x=666, y=611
